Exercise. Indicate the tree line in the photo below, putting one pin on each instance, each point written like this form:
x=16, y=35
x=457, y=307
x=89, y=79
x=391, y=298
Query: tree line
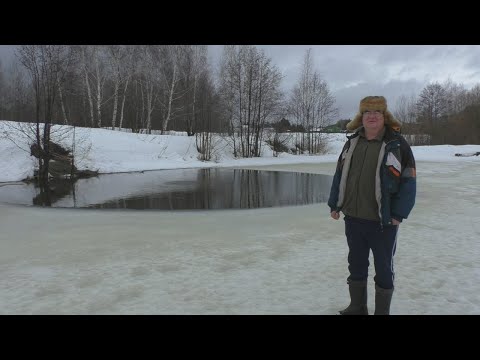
x=447, y=113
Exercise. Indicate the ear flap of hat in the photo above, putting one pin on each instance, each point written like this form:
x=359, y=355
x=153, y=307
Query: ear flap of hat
x=355, y=123
x=391, y=121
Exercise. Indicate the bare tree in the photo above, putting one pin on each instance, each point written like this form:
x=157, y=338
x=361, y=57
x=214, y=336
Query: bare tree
x=99, y=75
x=87, y=55
x=405, y=109
x=17, y=96
x=268, y=99
x=115, y=56
x=129, y=68
x=432, y=104
x=230, y=82
x=94, y=68
x=311, y=105
x=456, y=97
x=193, y=66
x=432, y=107
x=170, y=77
x=206, y=120
x=250, y=96
x=46, y=65
x=149, y=82
x=474, y=95
x=120, y=59
x=62, y=103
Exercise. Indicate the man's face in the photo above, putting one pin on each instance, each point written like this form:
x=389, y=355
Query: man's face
x=373, y=120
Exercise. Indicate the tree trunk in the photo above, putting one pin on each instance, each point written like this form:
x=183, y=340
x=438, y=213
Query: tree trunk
x=115, y=103
x=123, y=102
x=65, y=120
x=99, y=95
x=89, y=91
x=192, y=125
x=150, y=102
x=170, y=99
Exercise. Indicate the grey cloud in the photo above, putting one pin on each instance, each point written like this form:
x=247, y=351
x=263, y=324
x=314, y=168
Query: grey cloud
x=348, y=99
x=6, y=53
x=355, y=71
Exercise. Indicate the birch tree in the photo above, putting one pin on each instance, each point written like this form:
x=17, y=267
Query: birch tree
x=99, y=76
x=169, y=58
x=115, y=55
x=148, y=81
x=250, y=95
x=129, y=69
x=193, y=66
x=94, y=69
x=120, y=59
x=311, y=105
x=87, y=56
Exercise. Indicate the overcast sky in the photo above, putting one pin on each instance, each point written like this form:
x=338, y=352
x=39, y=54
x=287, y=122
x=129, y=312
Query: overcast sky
x=355, y=71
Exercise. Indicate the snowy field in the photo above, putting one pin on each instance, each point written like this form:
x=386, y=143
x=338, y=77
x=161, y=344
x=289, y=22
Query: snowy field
x=289, y=260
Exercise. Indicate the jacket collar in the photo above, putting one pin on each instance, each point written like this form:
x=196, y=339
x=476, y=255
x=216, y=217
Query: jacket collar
x=390, y=134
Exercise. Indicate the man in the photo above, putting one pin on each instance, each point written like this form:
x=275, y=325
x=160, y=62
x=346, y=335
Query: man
x=375, y=187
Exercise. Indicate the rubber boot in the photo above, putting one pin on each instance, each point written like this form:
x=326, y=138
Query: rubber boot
x=383, y=298
x=358, y=298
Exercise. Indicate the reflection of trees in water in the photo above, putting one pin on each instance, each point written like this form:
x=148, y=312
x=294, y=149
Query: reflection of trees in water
x=204, y=197
x=250, y=188
x=52, y=190
x=213, y=189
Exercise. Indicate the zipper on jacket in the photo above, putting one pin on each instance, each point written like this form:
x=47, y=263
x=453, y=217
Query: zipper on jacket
x=383, y=162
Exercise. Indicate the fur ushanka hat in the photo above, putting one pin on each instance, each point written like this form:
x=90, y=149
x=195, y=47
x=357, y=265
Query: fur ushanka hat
x=374, y=103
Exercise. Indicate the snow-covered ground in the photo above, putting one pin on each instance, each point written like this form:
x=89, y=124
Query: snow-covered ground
x=110, y=151
x=290, y=260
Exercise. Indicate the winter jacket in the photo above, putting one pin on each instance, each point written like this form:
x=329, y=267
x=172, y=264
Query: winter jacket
x=395, y=180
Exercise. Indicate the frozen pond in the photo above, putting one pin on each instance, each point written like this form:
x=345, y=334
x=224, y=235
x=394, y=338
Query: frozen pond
x=282, y=260
x=180, y=189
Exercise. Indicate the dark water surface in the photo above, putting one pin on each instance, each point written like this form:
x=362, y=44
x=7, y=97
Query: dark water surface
x=179, y=189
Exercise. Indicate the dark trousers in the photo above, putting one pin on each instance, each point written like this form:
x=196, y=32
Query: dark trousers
x=363, y=235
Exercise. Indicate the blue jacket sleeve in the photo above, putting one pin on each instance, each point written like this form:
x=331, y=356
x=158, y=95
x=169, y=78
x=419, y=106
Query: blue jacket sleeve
x=335, y=188
x=404, y=200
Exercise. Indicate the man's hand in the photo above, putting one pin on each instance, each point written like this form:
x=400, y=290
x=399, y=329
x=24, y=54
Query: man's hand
x=395, y=222
x=335, y=215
